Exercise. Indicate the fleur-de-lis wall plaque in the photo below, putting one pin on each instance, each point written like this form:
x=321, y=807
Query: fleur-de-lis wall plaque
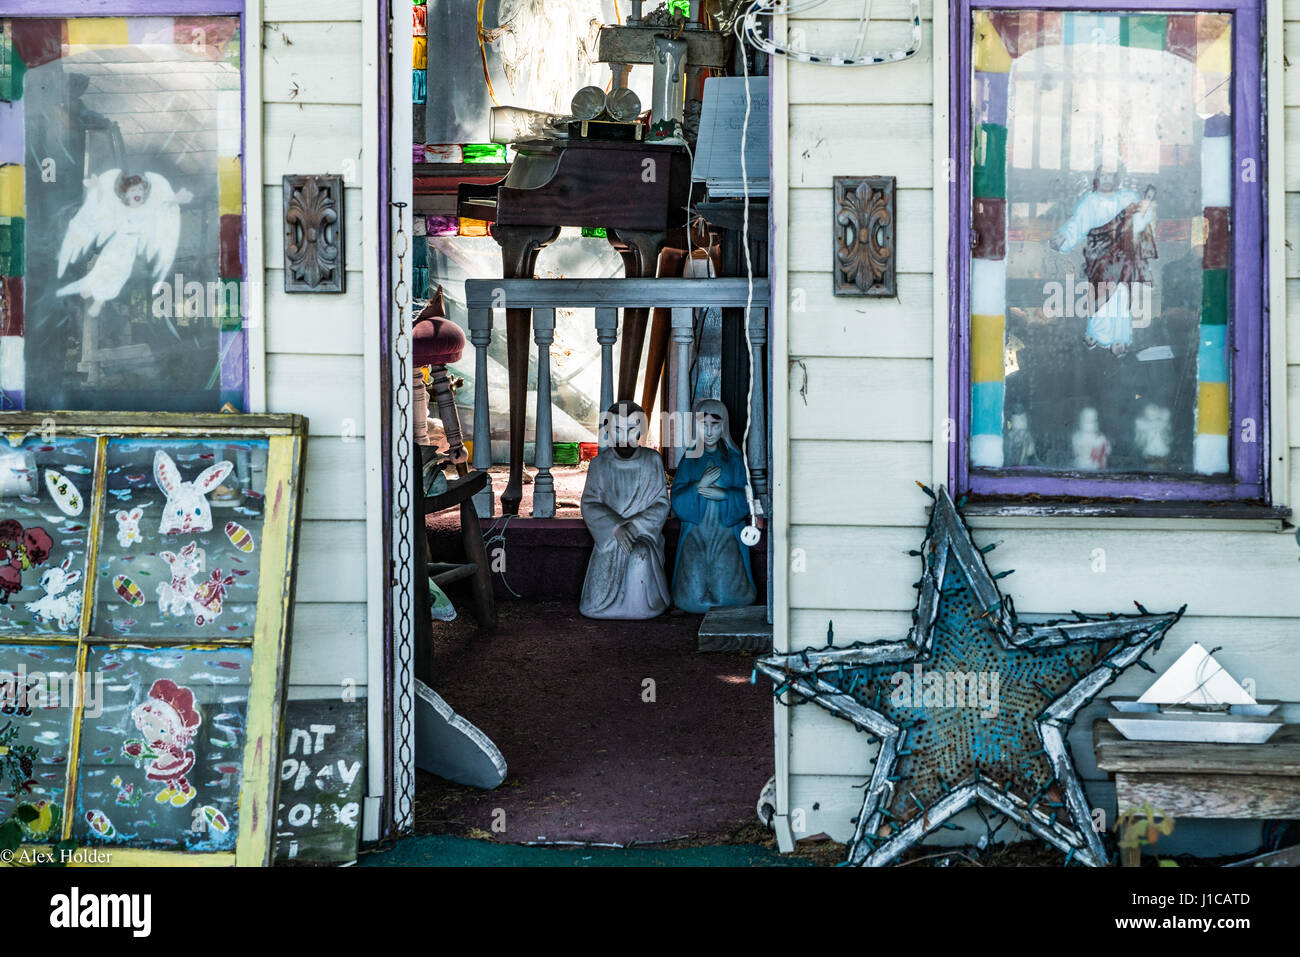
x=865, y=242
x=313, y=234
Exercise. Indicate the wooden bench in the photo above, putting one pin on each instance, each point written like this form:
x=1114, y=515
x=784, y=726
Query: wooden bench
x=1192, y=780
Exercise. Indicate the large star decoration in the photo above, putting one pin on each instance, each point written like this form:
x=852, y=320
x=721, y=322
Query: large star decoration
x=975, y=706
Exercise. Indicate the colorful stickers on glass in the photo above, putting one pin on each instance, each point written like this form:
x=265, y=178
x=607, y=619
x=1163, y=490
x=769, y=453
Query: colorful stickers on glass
x=36, y=695
x=160, y=768
x=44, y=487
x=179, y=552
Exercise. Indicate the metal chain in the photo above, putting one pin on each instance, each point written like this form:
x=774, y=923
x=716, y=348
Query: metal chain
x=402, y=442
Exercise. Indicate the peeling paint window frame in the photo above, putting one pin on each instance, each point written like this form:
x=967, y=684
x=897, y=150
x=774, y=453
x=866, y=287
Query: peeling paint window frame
x=243, y=396
x=1248, y=482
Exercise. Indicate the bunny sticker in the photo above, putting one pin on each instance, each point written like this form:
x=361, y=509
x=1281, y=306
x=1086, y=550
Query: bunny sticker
x=58, y=604
x=128, y=527
x=187, y=509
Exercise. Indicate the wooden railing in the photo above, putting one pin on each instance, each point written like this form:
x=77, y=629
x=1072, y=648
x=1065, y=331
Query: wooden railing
x=606, y=297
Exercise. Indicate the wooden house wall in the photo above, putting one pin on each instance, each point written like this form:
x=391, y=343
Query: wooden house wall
x=862, y=424
x=312, y=75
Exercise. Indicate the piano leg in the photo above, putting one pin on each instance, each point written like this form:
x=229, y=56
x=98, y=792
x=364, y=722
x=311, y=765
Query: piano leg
x=640, y=252
x=520, y=246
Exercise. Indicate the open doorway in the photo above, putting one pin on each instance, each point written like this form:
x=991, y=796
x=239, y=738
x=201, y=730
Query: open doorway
x=606, y=141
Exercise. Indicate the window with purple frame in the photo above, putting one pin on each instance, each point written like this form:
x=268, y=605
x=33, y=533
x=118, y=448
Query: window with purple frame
x=1108, y=327
x=122, y=273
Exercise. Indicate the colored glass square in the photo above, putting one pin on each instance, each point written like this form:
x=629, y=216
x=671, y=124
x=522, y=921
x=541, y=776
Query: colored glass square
x=1214, y=297
x=12, y=188
x=1212, y=408
x=1212, y=354
x=11, y=306
x=986, y=348
x=1146, y=31
x=230, y=186
x=13, y=131
x=231, y=264
x=990, y=176
x=12, y=246
x=986, y=408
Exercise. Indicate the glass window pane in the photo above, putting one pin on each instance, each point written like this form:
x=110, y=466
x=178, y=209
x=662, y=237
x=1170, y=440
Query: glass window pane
x=121, y=214
x=36, y=694
x=161, y=766
x=1101, y=268
x=180, y=552
x=45, y=489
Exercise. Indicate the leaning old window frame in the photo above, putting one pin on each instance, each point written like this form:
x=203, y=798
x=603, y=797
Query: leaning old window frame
x=253, y=303
x=1258, y=477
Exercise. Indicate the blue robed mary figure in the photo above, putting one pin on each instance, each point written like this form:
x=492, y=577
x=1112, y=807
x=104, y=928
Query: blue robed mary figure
x=708, y=497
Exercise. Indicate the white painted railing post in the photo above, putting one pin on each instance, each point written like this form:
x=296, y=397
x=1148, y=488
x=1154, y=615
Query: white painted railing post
x=679, y=411
x=606, y=334
x=480, y=334
x=543, y=454
x=758, y=402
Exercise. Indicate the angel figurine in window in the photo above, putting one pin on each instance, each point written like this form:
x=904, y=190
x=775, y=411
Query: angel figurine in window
x=1117, y=226
x=123, y=217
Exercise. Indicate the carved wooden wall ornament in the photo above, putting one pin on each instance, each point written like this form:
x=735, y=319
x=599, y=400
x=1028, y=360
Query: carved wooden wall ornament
x=313, y=234
x=865, y=245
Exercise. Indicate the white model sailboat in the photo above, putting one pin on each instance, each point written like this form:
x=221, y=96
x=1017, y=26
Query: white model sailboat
x=1197, y=700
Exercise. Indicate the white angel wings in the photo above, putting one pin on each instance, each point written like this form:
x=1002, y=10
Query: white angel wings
x=152, y=230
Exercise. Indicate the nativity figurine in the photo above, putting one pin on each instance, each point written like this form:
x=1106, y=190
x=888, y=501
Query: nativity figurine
x=712, y=568
x=1091, y=447
x=625, y=506
x=1116, y=227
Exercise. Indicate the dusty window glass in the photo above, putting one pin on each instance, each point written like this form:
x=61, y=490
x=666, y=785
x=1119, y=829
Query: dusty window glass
x=121, y=214
x=1100, y=273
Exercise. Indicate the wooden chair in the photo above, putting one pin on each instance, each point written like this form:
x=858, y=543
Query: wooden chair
x=437, y=342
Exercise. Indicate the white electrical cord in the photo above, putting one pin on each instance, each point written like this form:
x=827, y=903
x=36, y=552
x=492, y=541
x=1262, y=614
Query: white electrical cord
x=749, y=23
x=750, y=534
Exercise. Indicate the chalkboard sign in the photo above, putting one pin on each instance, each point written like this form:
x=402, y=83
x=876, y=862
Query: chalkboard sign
x=146, y=561
x=322, y=781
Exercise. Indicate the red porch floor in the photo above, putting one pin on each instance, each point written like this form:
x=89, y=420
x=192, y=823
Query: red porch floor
x=589, y=759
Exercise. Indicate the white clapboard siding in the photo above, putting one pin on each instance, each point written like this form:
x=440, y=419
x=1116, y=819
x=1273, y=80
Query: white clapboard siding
x=859, y=399
x=848, y=11
x=828, y=803
x=329, y=644
x=326, y=389
x=331, y=562
x=1293, y=405
x=1293, y=229
x=881, y=475
x=1293, y=321
x=273, y=197
x=810, y=223
x=823, y=324
x=827, y=141
x=1262, y=650
x=311, y=62
x=326, y=324
x=301, y=692
x=1057, y=570
x=861, y=433
x=334, y=485
x=910, y=81
x=309, y=138
x=274, y=11
x=1295, y=476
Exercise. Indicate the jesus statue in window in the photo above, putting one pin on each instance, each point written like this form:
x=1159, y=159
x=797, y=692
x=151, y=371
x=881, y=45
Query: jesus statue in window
x=1116, y=226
